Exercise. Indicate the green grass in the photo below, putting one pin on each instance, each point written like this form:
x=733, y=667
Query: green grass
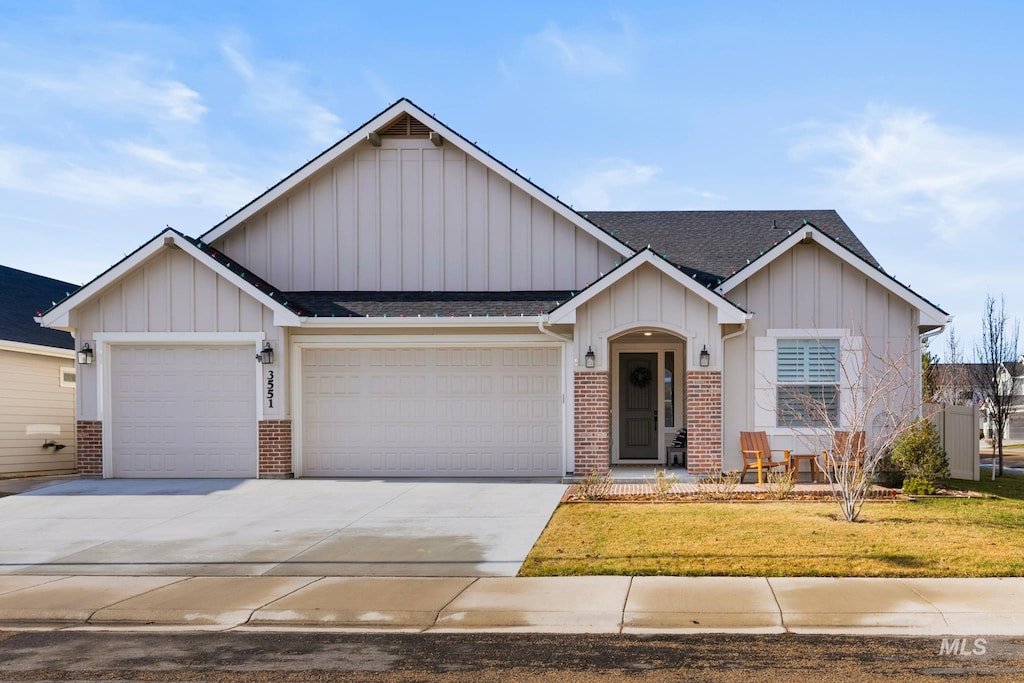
x=931, y=537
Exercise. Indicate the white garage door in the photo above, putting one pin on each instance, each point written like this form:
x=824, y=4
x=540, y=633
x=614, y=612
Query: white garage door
x=183, y=411
x=447, y=412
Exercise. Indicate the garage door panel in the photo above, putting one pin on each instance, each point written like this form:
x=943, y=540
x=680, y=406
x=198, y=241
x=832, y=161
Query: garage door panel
x=452, y=411
x=183, y=411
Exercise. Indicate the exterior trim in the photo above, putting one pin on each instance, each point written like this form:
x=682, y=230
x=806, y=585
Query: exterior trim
x=37, y=349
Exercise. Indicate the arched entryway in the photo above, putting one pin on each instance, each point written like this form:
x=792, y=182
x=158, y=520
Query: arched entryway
x=648, y=396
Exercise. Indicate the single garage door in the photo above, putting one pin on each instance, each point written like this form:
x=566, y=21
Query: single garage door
x=183, y=411
x=432, y=411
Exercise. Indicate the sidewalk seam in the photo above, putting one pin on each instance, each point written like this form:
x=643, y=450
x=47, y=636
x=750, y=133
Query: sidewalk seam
x=625, y=601
x=934, y=606
x=88, y=619
x=254, y=610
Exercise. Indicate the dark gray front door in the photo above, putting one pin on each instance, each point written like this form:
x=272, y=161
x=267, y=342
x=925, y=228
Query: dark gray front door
x=638, y=406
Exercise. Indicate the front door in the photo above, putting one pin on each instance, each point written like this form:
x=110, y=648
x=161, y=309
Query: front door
x=638, y=406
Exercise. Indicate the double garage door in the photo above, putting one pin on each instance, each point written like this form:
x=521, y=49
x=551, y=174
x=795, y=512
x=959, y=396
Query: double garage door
x=432, y=411
x=190, y=411
x=183, y=411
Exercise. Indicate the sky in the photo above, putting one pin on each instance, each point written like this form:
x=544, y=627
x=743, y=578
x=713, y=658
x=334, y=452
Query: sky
x=118, y=118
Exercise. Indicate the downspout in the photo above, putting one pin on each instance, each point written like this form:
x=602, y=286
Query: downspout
x=566, y=447
x=721, y=434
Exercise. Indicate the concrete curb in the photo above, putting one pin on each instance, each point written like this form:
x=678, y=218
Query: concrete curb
x=592, y=604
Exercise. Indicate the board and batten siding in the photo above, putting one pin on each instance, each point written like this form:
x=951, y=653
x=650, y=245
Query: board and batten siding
x=645, y=298
x=409, y=216
x=31, y=397
x=807, y=288
x=173, y=292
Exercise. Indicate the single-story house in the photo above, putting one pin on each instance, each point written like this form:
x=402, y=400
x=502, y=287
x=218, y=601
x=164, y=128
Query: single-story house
x=37, y=379
x=406, y=305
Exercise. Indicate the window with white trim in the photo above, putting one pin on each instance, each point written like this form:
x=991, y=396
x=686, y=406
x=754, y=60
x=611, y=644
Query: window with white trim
x=807, y=382
x=67, y=377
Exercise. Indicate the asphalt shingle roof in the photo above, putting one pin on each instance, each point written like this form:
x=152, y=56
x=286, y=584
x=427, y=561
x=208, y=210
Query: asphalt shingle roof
x=22, y=296
x=713, y=245
x=426, y=304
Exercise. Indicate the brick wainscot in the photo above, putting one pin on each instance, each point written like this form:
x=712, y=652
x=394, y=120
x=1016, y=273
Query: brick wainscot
x=275, y=449
x=593, y=427
x=704, y=422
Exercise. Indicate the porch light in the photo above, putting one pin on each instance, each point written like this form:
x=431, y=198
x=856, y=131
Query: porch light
x=589, y=360
x=705, y=357
x=266, y=356
x=85, y=355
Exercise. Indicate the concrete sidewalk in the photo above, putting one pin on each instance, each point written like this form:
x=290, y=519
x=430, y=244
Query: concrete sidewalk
x=599, y=604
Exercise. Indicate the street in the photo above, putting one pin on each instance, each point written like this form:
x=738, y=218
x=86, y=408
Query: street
x=292, y=656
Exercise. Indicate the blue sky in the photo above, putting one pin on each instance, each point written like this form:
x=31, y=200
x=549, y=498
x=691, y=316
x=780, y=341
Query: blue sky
x=121, y=117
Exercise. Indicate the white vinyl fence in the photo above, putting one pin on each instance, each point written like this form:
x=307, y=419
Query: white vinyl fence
x=958, y=427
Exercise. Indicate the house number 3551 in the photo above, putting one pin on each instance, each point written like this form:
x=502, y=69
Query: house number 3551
x=270, y=388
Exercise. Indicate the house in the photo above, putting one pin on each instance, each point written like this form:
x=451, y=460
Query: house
x=405, y=305
x=966, y=384
x=37, y=379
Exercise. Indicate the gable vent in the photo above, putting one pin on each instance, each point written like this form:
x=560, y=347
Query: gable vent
x=405, y=127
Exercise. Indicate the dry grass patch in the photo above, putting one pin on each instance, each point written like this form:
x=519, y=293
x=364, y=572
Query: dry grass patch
x=923, y=538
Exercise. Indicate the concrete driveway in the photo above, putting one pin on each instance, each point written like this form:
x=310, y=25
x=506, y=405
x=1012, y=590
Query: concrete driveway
x=305, y=527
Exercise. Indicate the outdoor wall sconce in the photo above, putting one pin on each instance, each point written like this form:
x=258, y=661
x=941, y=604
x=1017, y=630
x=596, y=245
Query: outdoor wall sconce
x=705, y=357
x=589, y=360
x=85, y=355
x=266, y=356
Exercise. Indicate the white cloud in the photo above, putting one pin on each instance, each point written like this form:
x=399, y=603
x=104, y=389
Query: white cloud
x=119, y=83
x=583, y=53
x=898, y=164
x=622, y=184
x=272, y=89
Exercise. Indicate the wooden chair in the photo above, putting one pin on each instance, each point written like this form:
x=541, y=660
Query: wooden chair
x=848, y=448
x=757, y=454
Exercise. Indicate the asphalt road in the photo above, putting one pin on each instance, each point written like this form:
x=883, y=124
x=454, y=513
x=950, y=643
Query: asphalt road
x=259, y=657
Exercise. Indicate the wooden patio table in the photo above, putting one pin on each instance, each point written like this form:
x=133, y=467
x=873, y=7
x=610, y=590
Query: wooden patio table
x=794, y=466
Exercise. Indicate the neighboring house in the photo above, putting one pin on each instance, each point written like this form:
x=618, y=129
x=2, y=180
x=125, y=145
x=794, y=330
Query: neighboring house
x=427, y=311
x=1011, y=383
x=964, y=384
x=37, y=378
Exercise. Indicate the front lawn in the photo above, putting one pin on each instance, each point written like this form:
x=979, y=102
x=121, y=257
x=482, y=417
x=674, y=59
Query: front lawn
x=925, y=537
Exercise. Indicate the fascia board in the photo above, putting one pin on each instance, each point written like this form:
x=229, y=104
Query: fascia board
x=36, y=349
x=930, y=314
x=418, y=322
x=282, y=316
x=58, y=316
x=728, y=313
x=519, y=181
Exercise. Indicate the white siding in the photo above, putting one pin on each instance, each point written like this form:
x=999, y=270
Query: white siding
x=30, y=394
x=806, y=289
x=646, y=297
x=411, y=217
x=172, y=292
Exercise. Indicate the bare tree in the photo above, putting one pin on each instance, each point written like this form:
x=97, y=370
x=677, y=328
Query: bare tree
x=952, y=384
x=878, y=398
x=998, y=345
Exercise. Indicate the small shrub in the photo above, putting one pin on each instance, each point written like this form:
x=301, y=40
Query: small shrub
x=779, y=484
x=888, y=474
x=718, y=486
x=914, y=486
x=662, y=483
x=918, y=452
x=595, y=485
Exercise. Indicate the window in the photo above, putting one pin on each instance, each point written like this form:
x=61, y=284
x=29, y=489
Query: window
x=67, y=377
x=808, y=382
x=670, y=389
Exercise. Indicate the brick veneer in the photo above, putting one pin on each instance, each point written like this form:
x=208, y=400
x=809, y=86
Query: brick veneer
x=704, y=422
x=89, y=448
x=593, y=428
x=275, y=449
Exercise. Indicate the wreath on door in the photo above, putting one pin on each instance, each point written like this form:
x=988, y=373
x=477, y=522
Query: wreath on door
x=640, y=377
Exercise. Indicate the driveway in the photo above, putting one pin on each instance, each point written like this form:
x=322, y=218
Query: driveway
x=303, y=527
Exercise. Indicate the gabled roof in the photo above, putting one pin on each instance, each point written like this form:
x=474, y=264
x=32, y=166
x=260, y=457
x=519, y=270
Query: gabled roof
x=728, y=312
x=449, y=136
x=426, y=304
x=713, y=245
x=285, y=312
x=931, y=315
x=22, y=296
